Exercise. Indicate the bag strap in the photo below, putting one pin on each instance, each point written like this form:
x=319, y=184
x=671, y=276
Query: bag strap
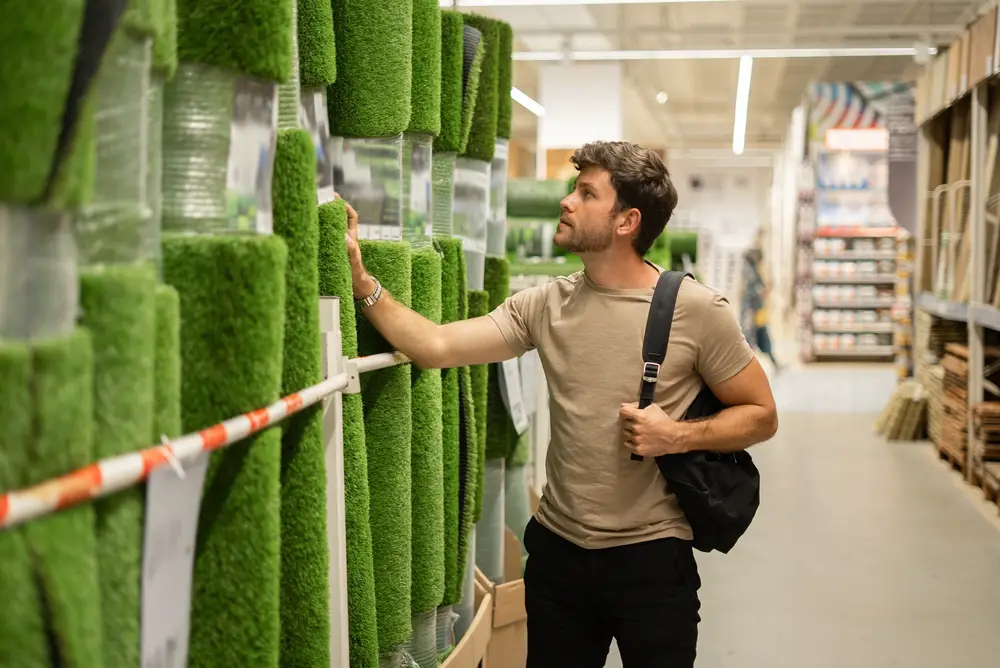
x=654, y=342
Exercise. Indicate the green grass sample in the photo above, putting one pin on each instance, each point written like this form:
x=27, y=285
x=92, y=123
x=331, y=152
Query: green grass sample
x=451, y=251
x=427, y=472
x=39, y=59
x=232, y=294
x=63, y=544
x=371, y=97
x=534, y=198
x=450, y=136
x=165, y=40
x=501, y=437
x=305, y=562
x=426, y=88
x=470, y=96
x=470, y=472
x=386, y=398
x=483, y=136
x=167, y=375
x=119, y=311
x=335, y=281
x=317, y=53
x=252, y=38
x=505, y=80
x=479, y=306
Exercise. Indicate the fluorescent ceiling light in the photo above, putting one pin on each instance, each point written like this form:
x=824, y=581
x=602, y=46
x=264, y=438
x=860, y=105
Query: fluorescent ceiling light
x=742, y=105
x=522, y=99
x=554, y=3
x=662, y=97
x=722, y=54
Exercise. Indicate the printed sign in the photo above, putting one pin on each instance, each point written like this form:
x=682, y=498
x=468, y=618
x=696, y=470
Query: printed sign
x=510, y=391
x=313, y=117
x=172, y=507
x=471, y=204
x=368, y=173
x=418, y=205
x=253, y=135
x=900, y=119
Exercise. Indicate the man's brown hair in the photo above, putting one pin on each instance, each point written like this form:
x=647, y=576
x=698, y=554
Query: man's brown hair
x=640, y=180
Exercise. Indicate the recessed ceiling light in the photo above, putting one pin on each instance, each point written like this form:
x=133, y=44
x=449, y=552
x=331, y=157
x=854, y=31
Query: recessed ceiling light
x=662, y=97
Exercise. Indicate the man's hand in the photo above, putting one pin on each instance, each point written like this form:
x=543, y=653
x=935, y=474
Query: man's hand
x=649, y=432
x=364, y=284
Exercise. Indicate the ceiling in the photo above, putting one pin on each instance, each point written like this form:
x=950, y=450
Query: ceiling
x=700, y=109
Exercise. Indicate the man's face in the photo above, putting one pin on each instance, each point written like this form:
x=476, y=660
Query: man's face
x=587, y=223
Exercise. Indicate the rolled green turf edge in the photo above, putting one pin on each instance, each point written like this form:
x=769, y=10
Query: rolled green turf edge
x=232, y=296
x=305, y=561
x=501, y=436
x=427, y=467
x=335, y=281
x=371, y=96
x=165, y=40
x=64, y=544
x=469, y=472
x=470, y=97
x=483, y=136
x=119, y=311
x=425, y=115
x=74, y=181
x=317, y=51
x=167, y=377
x=479, y=306
x=386, y=397
x=505, y=79
x=450, y=135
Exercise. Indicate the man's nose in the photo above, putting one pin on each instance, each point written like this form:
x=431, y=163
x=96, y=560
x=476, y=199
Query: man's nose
x=568, y=202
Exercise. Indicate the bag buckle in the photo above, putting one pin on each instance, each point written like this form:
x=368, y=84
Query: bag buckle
x=650, y=372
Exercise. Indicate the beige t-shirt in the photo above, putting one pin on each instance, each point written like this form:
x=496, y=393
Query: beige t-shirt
x=589, y=339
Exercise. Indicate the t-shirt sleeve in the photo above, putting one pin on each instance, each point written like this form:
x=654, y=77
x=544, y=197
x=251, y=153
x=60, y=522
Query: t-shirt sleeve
x=723, y=351
x=518, y=317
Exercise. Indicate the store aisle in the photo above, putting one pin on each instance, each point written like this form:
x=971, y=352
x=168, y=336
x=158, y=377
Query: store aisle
x=864, y=554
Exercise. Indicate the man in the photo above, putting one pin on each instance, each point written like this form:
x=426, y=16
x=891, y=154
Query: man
x=609, y=549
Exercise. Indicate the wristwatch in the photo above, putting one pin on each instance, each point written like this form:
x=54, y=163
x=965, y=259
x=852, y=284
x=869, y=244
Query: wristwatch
x=371, y=299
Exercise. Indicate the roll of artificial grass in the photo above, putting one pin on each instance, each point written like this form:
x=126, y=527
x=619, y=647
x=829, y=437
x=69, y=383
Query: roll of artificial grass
x=371, y=96
x=335, y=281
x=167, y=374
x=505, y=79
x=479, y=306
x=470, y=470
x=305, y=563
x=119, y=311
x=472, y=68
x=165, y=38
x=451, y=280
x=426, y=67
x=232, y=296
x=683, y=243
x=449, y=137
x=386, y=396
x=534, y=198
x=427, y=472
x=501, y=437
x=483, y=135
x=253, y=38
x=317, y=52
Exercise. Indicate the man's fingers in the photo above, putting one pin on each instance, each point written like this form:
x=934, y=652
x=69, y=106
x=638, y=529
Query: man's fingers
x=629, y=411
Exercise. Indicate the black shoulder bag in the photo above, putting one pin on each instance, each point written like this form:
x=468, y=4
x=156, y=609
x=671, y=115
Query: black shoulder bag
x=719, y=493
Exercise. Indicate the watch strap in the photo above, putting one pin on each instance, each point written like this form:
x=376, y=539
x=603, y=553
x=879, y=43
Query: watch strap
x=371, y=299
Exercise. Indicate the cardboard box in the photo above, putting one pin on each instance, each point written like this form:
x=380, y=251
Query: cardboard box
x=983, y=35
x=508, y=646
x=471, y=651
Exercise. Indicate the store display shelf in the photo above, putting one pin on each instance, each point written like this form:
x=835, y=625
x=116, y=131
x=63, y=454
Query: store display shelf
x=872, y=351
x=942, y=308
x=985, y=315
x=858, y=255
x=855, y=280
x=859, y=328
x=859, y=305
x=856, y=232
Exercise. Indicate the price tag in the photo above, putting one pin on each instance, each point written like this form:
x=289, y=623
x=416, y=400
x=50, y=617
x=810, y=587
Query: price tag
x=510, y=390
x=172, y=507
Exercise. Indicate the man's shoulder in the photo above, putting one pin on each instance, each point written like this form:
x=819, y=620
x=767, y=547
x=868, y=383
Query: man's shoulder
x=698, y=294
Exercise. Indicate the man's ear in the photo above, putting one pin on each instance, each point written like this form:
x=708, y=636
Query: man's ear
x=629, y=223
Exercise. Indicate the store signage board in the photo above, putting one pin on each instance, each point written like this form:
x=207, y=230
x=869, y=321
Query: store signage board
x=901, y=121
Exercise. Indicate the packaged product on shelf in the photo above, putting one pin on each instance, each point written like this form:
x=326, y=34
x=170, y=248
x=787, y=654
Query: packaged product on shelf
x=847, y=342
x=886, y=266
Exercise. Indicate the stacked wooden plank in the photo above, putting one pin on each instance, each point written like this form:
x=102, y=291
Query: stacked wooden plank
x=986, y=423
x=955, y=405
x=903, y=417
x=932, y=334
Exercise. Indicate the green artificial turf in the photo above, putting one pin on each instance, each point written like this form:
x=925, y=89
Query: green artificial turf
x=681, y=243
x=505, y=80
x=252, y=38
x=387, y=403
x=232, y=296
x=40, y=46
x=335, y=281
x=119, y=311
x=139, y=18
x=165, y=39
x=501, y=437
x=521, y=453
x=371, y=96
x=483, y=136
x=427, y=472
x=426, y=89
x=74, y=180
x=479, y=306
x=167, y=374
x=450, y=136
x=63, y=545
x=534, y=198
x=305, y=562
x=451, y=252
x=470, y=473
x=317, y=54
x=470, y=95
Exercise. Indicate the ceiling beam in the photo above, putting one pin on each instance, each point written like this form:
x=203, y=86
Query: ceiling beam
x=841, y=31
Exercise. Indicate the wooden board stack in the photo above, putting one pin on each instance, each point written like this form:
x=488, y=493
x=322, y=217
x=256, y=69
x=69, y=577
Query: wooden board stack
x=986, y=425
x=903, y=417
x=955, y=404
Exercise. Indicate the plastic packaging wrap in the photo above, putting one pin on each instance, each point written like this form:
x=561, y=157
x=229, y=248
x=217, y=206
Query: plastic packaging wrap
x=445, y=628
x=422, y=646
x=490, y=529
x=219, y=137
x=400, y=658
x=417, y=184
x=154, y=166
x=116, y=226
x=39, y=290
x=467, y=607
x=313, y=117
x=368, y=173
x=496, y=228
x=288, y=92
x=471, y=211
x=443, y=192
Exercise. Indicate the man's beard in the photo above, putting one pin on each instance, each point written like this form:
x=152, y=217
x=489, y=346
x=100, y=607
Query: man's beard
x=589, y=241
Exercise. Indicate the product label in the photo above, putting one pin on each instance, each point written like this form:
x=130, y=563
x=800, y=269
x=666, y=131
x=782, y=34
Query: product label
x=510, y=390
x=368, y=173
x=253, y=135
x=313, y=117
x=172, y=507
x=471, y=207
x=418, y=214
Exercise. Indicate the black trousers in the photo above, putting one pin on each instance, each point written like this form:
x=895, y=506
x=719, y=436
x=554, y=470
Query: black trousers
x=645, y=596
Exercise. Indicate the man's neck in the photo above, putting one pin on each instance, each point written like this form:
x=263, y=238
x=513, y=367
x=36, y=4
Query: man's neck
x=619, y=272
